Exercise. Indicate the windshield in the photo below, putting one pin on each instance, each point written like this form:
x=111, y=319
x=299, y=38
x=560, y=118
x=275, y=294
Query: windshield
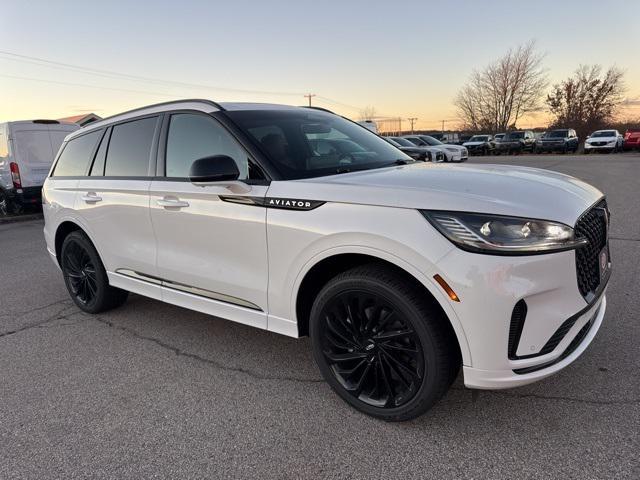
x=479, y=138
x=558, y=134
x=303, y=143
x=604, y=133
x=430, y=140
x=514, y=135
x=403, y=142
x=499, y=136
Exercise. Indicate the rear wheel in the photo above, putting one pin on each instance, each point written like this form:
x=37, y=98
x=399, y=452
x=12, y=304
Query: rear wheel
x=380, y=345
x=8, y=206
x=85, y=276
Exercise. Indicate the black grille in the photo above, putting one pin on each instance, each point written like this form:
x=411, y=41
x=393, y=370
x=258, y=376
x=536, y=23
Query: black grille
x=515, y=328
x=592, y=226
x=558, y=335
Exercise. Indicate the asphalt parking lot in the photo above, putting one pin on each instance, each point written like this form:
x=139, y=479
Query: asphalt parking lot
x=155, y=391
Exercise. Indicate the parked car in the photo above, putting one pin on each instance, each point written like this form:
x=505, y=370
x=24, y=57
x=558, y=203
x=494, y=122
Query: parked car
x=604, y=140
x=434, y=154
x=562, y=140
x=400, y=272
x=414, y=152
x=27, y=150
x=480, y=145
x=518, y=141
x=369, y=124
x=632, y=139
x=453, y=153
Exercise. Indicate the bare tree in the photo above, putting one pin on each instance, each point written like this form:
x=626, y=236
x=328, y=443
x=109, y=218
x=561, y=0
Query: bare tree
x=367, y=113
x=588, y=100
x=497, y=96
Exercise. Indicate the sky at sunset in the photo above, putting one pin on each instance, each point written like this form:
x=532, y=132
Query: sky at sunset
x=404, y=58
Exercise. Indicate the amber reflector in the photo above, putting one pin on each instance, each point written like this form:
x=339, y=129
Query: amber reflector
x=445, y=286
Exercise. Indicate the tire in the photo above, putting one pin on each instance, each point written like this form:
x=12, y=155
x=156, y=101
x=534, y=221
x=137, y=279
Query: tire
x=352, y=322
x=8, y=206
x=85, y=276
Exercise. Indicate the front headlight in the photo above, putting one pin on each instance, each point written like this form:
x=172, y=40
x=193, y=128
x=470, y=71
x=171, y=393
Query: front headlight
x=502, y=235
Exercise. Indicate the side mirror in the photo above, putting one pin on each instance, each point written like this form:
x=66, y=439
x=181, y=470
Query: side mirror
x=217, y=168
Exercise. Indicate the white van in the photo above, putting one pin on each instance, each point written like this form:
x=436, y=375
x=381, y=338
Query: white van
x=27, y=150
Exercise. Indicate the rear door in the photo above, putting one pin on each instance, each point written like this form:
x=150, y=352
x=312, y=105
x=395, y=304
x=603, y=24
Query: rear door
x=113, y=199
x=33, y=153
x=211, y=240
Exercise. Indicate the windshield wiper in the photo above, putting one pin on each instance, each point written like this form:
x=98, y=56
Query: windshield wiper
x=399, y=161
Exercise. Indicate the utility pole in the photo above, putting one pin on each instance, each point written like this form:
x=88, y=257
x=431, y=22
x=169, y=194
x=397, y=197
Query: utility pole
x=309, y=96
x=412, y=120
x=442, y=127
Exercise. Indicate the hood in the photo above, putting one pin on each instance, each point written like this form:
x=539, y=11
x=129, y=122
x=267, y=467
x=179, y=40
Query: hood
x=472, y=144
x=602, y=139
x=499, y=189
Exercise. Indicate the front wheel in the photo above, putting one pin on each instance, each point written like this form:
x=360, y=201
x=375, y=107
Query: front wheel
x=380, y=346
x=85, y=276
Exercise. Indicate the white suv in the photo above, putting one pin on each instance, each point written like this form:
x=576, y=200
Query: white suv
x=399, y=271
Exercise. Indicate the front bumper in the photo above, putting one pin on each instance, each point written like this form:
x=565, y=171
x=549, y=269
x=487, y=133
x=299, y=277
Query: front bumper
x=548, y=147
x=490, y=287
x=574, y=344
x=588, y=146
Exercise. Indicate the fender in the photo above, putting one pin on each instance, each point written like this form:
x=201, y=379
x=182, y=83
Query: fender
x=427, y=281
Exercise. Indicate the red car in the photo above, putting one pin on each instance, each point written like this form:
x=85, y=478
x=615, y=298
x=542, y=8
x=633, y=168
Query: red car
x=632, y=139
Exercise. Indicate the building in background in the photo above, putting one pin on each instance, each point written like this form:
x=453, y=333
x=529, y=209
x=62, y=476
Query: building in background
x=83, y=119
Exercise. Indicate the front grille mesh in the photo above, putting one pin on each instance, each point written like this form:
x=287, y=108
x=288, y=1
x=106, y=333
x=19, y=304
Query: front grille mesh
x=592, y=226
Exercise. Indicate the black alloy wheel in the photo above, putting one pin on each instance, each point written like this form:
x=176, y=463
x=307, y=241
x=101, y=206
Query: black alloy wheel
x=380, y=346
x=85, y=276
x=80, y=272
x=373, y=351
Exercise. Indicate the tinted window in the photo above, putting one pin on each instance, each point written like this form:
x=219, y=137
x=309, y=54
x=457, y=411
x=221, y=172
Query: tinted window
x=74, y=159
x=193, y=136
x=130, y=148
x=97, y=170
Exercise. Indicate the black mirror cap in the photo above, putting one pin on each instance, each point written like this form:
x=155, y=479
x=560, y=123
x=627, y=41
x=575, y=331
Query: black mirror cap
x=216, y=168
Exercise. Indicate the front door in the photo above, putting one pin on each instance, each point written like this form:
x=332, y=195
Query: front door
x=211, y=240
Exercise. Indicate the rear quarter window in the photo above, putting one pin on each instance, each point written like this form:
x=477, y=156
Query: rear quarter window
x=130, y=148
x=76, y=155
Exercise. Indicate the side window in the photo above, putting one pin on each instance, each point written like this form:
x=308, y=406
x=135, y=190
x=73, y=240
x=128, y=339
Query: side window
x=193, y=136
x=129, y=148
x=97, y=170
x=74, y=159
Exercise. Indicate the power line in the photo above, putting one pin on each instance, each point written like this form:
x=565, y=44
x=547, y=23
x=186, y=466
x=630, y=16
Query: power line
x=412, y=120
x=309, y=96
x=109, y=73
x=73, y=84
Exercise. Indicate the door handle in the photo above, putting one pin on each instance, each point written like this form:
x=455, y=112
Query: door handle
x=91, y=197
x=172, y=203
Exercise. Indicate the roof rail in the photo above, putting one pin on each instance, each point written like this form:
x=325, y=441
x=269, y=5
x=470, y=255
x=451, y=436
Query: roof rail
x=170, y=102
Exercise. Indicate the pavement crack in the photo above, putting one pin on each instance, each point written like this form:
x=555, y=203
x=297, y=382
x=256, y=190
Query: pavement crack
x=555, y=397
x=193, y=356
x=34, y=309
x=58, y=315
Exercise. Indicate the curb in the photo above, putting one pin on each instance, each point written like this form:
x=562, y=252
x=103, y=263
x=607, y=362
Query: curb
x=20, y=218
